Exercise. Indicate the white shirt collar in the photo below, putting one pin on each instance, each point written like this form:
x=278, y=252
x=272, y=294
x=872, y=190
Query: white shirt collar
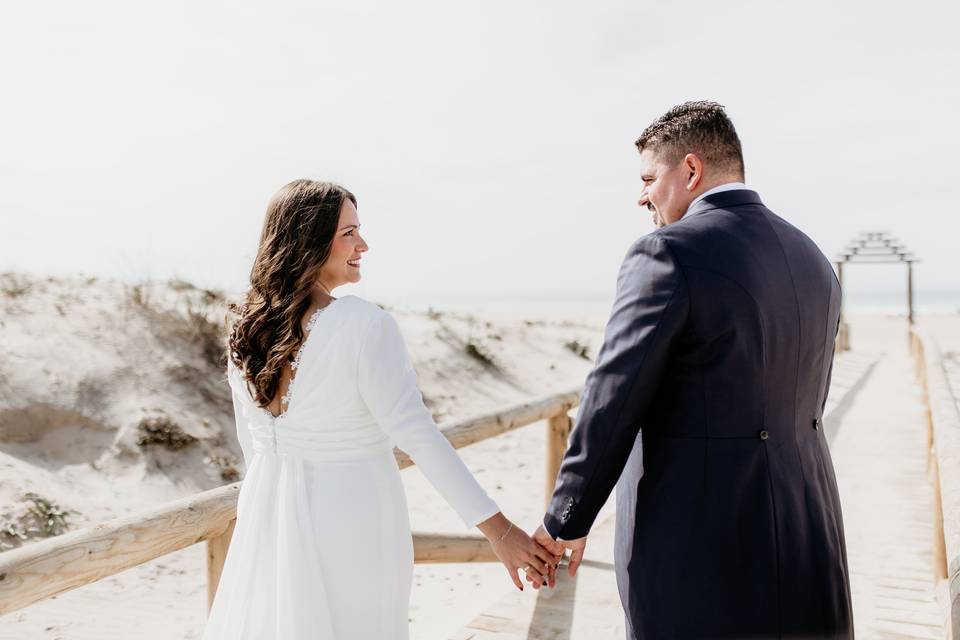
x=727, y=186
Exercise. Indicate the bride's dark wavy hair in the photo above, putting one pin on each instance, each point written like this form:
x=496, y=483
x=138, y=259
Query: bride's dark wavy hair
x=298, y=232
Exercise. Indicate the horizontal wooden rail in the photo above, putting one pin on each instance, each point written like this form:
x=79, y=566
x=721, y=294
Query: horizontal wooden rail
x=443, y=547
x=944, y=416
x=463, y=433
x=48, y=567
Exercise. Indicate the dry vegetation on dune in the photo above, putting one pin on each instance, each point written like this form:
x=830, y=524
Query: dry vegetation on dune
x=112, y=396
x=33, y=517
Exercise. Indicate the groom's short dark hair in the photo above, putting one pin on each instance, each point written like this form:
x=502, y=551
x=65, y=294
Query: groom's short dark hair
x=701, y=127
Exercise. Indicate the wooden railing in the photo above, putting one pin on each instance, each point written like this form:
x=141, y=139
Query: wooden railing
x=49, y=567
x=943, y=436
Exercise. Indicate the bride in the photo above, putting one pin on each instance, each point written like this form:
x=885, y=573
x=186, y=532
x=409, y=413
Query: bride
x=323, y=388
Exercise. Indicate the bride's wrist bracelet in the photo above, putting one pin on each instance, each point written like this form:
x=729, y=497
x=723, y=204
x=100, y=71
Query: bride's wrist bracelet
x=500, y=539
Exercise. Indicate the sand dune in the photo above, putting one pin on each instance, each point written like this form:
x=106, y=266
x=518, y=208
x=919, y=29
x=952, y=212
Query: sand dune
x=92, y=372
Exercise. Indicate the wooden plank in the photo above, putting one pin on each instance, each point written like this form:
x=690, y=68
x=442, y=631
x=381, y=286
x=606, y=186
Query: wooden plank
x=48, y=567
x=437, y=548
x=463, y=433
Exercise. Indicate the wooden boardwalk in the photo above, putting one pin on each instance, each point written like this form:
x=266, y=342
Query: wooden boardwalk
x=875, y=423
x=882, y=460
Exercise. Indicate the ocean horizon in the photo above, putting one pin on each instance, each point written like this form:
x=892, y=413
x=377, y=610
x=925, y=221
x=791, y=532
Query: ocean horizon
x=869, y=302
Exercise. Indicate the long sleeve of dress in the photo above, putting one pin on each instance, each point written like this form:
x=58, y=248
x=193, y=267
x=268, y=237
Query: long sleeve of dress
x=388, y=385
x=240, y=415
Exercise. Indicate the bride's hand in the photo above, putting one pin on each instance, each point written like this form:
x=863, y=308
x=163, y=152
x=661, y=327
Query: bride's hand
x=517, y=550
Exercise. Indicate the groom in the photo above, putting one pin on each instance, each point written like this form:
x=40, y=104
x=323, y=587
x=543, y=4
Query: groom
x=719, y=347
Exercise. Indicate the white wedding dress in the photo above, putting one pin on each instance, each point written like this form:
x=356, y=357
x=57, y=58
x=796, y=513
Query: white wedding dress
x=322, y=547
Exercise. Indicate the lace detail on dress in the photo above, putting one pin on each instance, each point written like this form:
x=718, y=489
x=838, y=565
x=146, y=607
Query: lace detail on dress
x=288, y=396
x=311, y=323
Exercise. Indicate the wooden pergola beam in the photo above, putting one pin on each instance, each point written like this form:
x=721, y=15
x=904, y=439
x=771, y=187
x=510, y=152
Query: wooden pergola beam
x=875, y=247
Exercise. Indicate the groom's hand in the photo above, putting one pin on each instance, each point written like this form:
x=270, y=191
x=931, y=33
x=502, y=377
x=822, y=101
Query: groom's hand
x=558, y=546
x=516, y=550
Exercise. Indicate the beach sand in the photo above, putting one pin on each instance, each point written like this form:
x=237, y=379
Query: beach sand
x=85, y=362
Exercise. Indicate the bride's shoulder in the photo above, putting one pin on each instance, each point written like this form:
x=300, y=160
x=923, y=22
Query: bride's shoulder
x=362, y=312
x=360, y=307
x=368, y=318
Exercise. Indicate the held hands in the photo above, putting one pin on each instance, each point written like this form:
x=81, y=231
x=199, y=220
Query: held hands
x=558, y=547
x=517, y=550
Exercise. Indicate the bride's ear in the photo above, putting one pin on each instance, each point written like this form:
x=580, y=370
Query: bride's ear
x=693, y=167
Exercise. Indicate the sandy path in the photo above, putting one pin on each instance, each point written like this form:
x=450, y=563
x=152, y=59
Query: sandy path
x=880, y=454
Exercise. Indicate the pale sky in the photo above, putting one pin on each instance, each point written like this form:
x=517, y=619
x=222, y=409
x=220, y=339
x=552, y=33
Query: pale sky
x=490, y=145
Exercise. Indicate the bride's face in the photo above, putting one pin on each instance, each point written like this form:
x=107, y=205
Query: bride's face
x=343, y=264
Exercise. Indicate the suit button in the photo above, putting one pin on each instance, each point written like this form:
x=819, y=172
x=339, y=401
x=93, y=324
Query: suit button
x=764, y=435
x=816, y=423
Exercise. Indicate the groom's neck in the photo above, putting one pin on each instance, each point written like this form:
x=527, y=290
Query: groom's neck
x=715, y=181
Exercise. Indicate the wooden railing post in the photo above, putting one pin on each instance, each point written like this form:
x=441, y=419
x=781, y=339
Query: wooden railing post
x=558, y=431
x=216, y=555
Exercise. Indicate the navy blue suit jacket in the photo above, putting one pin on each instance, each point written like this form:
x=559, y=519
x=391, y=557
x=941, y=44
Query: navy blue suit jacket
x=719, y=347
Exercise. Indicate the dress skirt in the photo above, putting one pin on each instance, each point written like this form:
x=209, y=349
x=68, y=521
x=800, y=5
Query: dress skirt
x=320, y=551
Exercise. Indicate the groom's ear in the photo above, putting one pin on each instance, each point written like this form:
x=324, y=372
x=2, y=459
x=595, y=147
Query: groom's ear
x=693, y=167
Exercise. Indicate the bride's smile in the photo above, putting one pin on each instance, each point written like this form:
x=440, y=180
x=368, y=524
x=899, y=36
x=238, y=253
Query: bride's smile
x=343, y=264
